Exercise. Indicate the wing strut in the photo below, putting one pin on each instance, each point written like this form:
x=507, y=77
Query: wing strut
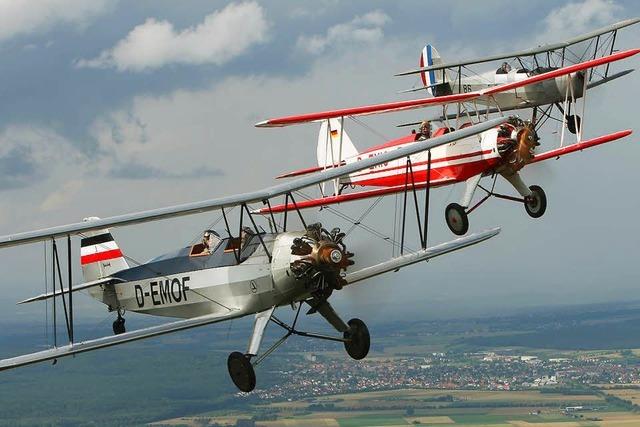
x=68, y=311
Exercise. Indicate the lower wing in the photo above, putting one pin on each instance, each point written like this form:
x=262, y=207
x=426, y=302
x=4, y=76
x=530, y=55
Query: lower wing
x=579, y=146
x=83, y=346
x=421, y=255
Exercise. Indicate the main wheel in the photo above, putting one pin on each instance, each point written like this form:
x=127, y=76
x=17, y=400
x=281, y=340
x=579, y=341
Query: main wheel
x=118, y=326
x=571, y=123
x=457, y=219
x=536, y=204
x=359, y=340
x=241, y=371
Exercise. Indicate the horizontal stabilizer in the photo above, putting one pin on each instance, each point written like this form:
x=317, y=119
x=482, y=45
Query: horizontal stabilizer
x=421, y=255
x=83, y=286
x=81, y=347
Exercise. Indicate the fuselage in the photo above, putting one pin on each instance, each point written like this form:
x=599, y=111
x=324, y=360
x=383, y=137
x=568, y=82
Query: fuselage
x=179, y=284
x=450, y=163
x=544, y=93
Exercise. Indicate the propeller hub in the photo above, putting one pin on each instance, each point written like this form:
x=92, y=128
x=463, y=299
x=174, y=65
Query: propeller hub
x=322, y=259
x=336, y=256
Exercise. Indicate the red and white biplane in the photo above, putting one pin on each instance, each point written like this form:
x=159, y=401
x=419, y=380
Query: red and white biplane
x=503, y=150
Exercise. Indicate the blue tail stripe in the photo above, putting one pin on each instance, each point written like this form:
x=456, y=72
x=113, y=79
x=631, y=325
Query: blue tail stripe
x=432, y=74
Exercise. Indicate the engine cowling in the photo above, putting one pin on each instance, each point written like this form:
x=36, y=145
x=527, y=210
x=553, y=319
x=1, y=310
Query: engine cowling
x=310, y=262
x=517, y=141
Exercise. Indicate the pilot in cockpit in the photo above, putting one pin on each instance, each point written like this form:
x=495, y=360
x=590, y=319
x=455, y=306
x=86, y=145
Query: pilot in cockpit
x=504, y=68
x=210, y=240
x=424, y=132
x=245, y=236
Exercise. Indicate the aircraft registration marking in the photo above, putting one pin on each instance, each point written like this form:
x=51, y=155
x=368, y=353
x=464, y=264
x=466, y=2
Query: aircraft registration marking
x=162, y=292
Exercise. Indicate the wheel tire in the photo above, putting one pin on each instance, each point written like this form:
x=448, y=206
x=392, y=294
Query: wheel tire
x=241, y=371
x=359, y=340
x=118, y=326
x=571, y=123
x=457, y=219
x=536, y=204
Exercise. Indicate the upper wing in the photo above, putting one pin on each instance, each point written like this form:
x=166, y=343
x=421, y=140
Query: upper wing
x=257, y=196
x=80, y=347
x=527, y=52
x=443, y=100
x=366, y=110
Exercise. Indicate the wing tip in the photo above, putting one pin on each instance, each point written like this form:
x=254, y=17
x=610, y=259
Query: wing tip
x=264, y=124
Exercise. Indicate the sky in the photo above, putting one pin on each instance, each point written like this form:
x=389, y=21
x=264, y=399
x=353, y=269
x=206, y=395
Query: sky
x=108, y=107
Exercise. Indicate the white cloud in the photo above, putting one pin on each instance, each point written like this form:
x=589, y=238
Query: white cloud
x=223, y=35
x=361, y=29
x=21, y=17
x=579, y=17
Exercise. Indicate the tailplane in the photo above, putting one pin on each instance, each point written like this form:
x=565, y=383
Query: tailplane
x=437, y=82
x=100, y=255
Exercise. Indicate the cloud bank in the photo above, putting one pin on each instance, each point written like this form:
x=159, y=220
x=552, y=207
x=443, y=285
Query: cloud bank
x=22, y=17
x=222, y=36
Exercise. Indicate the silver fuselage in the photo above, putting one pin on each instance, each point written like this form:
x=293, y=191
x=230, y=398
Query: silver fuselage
x=544, y=93
x=179, y=286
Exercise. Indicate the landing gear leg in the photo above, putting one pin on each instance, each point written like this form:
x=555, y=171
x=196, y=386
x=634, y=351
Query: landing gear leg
x=118, y=324
x=456, y=215
x=240, y=367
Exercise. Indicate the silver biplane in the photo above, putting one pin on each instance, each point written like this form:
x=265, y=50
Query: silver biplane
x=440, y=78
x=248, y=272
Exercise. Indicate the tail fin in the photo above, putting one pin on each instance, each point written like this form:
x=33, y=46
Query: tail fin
x=437, y=82
x=100, y=256
x=331, y=149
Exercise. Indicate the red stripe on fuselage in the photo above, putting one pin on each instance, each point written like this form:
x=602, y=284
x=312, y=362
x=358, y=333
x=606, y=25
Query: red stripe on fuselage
x=100, y=256
x=456, y=173
x=423, y=163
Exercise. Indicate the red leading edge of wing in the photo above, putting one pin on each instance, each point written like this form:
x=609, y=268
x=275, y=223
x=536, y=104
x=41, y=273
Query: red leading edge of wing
x=367, y=109
x=581, y=145
x=562, y=71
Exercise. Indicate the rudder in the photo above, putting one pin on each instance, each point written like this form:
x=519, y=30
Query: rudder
x=437, y=82
x=100, y=255
x=330, y=151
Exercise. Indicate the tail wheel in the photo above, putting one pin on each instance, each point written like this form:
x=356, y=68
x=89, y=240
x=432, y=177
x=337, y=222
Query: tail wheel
x=457, y=219
x=536, y=203
x=571, y=123
x=358, y=338
x=241, y=371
